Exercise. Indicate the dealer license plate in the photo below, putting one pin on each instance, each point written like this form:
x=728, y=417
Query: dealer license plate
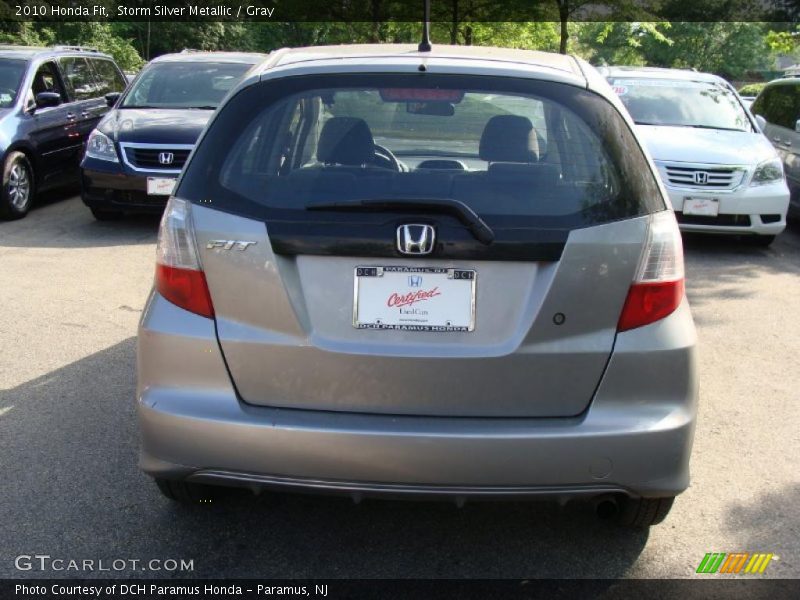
x=414, y=298
x=160, y=186
x=704, y=207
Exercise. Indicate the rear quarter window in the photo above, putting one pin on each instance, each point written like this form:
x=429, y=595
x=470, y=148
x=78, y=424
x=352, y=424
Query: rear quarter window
x=779, y=105
x=108, y=77
x=532, y=153
x=79, y=78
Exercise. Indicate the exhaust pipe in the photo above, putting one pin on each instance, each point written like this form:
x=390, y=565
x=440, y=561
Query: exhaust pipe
x=605, y=507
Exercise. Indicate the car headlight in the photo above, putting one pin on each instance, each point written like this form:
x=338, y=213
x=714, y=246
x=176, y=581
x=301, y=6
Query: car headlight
x=768, y=171
x=99, y=145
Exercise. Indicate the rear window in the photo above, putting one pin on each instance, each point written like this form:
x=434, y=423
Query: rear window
x=531, y=150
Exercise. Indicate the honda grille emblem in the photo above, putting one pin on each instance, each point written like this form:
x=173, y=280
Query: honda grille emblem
x=415, y=239
x=166, y=158
x=700, y=177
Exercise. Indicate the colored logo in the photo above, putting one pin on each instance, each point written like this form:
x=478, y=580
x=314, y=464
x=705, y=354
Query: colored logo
x=411, y=297
x=735, y=562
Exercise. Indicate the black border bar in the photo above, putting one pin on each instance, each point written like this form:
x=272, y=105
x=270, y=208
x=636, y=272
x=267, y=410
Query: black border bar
x=382, y=11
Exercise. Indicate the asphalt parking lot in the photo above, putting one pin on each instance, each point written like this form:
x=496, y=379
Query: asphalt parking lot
x=71, y=292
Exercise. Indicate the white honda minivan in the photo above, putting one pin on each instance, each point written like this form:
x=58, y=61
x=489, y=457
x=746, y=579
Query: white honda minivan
x=721, y=172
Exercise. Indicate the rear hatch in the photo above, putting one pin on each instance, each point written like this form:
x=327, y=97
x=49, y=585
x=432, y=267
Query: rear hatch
x=440, y=245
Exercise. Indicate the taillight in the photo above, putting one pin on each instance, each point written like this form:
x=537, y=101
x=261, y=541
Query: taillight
x=179, y=276
x=657, y=289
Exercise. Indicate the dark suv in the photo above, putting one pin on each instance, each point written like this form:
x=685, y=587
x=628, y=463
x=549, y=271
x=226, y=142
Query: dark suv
x=50, y=99
x=135, y=155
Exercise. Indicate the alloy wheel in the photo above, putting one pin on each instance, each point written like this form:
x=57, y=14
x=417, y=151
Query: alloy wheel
x=19, y=186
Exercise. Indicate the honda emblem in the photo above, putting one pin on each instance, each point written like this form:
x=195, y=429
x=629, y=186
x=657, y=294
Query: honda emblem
x=415, y=239
x=166, y=158
x=700, y=177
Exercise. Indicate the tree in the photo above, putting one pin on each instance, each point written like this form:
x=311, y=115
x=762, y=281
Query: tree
x=566, y=9
x=729, y=49
x=619, y=43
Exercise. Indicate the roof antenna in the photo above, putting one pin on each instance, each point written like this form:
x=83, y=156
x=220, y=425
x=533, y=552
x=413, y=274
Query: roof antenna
x=425, y=44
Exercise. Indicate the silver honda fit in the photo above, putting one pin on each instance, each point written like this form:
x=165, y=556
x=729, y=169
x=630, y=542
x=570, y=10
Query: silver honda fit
x=429, y=274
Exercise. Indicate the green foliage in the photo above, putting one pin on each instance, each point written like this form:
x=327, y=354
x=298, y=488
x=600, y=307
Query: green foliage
x=102, y=36
x=730, y=49
x=618, y=43
x=751, y=89
x=727, y=49
x=784, y=42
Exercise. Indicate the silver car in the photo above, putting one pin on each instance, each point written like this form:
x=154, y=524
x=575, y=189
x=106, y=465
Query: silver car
x=452, y=274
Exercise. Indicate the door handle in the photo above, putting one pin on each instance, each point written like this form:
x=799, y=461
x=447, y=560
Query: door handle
x=776, y=139
x=86, y=114
x=71, y=116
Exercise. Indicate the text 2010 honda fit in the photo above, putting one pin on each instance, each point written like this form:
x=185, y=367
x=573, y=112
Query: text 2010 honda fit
x=448, y=273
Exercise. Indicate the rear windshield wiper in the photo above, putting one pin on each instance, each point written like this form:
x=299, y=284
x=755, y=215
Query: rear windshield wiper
x=482, y=232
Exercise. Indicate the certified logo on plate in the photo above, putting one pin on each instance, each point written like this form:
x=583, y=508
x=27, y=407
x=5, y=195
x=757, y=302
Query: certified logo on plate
x=414, y=299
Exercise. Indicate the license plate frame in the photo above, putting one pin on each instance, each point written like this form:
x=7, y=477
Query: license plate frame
x=413, y=292
x=161, y=186
x=700, y=207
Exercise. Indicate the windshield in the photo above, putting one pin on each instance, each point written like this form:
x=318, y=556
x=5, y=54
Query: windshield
x=503, y=148
x=184, y=85
x=11, y=72
x=679, y=103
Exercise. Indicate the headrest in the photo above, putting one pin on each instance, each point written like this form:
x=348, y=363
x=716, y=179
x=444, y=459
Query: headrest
x=346, y=141
x=509, y=138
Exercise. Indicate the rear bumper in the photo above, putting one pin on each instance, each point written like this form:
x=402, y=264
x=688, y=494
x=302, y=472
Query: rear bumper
x=635, y=438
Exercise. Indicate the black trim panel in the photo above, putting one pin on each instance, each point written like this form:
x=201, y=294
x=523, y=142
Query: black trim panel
x=378, y=240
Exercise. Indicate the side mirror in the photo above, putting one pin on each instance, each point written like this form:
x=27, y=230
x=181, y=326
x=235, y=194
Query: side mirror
x=761, y=122
x=797, y=126
x=111, y=99
x=47, y=99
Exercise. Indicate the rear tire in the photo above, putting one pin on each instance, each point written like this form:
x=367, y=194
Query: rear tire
x=102, y=214
x=763, y=240
x=186, y=492
x=16, y=195
x=644, y=512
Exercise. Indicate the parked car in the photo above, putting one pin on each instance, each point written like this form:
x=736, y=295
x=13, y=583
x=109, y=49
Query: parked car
x=449, y=273
x=777, y=108
x=721, y=173
x=50, y=99
x=136, y=153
